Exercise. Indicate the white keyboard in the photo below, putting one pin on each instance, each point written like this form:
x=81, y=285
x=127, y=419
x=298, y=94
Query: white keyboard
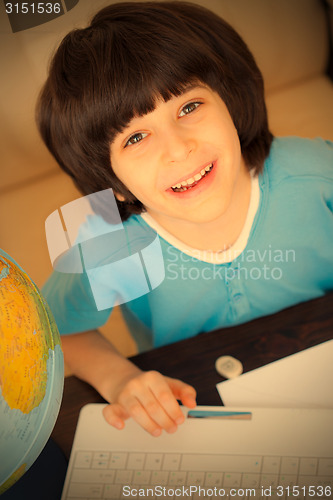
x=117, y=475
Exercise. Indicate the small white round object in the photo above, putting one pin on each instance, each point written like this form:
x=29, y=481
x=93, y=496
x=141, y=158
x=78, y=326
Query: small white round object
x=228, y=366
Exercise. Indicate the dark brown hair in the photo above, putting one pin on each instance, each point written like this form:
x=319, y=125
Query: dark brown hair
x=131, y=54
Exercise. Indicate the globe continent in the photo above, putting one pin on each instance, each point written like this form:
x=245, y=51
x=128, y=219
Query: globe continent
x=31, y=372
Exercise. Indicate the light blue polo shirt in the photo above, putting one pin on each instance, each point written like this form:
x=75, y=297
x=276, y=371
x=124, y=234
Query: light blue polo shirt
x=287, y=258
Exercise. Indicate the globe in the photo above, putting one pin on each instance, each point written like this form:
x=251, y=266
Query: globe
x=31, y=372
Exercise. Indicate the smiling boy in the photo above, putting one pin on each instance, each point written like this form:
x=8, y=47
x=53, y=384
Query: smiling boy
x=163, y=102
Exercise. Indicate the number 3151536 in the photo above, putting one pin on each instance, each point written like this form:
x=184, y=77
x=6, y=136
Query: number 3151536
x=33, y=8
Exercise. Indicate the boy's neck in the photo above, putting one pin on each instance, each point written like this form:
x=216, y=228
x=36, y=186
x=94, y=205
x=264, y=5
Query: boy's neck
x=221, y=233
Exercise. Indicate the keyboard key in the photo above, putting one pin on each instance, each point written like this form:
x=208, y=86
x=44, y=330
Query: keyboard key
x=100, y=463
x=326, y=481
x=141, y=477
x=154, y=461
x=232, y=479
x=309, y=481
x=92, y=476
x=177, y=478
x=195, y=478
x=213, y=479
x=221, y=463
x=159, y=477
x=250, y=481
x=112, y=491
x=85, y=490
x=171, y=461
x=72, y=498
x=136, y=461
x=101, y=455
x=271, y=465
x=289, y=465
x=325, y=467
x=288, y=480
x=118, y=460
x=308, y=466
x=268, y=480
x=123, y=476
x=83, y=459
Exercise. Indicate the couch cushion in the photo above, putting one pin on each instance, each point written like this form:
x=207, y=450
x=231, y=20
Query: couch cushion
x=305, y=109
x=22, y=233
x=289, y=38
x=23, y=155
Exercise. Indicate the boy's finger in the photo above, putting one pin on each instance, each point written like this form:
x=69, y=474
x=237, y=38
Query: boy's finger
x=115, y=415
x=137, y=411
x=151, y=390
x=188, y=400
x=147, y=410
x=168, y=407
x=184, y=392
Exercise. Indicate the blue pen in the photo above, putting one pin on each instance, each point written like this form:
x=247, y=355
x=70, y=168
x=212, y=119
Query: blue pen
x=242, y=415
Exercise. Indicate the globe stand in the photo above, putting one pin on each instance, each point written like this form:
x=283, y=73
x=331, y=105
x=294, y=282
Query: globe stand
x=45, y=478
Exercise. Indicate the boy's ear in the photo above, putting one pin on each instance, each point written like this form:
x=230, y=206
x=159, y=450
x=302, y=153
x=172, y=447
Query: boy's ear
x=119, y=197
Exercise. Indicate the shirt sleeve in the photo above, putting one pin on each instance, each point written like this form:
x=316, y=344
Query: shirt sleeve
x=72, y=303
x=103, y=268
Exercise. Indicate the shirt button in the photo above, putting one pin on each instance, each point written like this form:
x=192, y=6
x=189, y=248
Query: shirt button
x=237, y=297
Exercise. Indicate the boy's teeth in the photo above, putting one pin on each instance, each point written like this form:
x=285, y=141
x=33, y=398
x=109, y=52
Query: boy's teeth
x=196, y=178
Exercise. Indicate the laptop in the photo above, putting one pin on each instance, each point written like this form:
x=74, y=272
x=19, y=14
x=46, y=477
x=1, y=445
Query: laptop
x=217, y=452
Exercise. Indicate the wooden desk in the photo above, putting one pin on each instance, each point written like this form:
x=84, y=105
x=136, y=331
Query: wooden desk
x=255, y=344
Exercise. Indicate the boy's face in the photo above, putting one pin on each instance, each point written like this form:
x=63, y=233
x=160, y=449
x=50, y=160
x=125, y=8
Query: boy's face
x=183, y=160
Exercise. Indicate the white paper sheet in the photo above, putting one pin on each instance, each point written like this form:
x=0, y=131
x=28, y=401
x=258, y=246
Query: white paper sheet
x=303, y=380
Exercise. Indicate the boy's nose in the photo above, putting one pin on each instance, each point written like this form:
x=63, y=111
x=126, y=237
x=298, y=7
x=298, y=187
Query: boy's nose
x=177, y=146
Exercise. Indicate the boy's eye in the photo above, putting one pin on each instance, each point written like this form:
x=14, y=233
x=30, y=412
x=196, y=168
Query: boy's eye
x=189, y=108
x=135, y=138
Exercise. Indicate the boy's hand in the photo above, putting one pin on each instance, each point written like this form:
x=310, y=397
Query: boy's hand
x=148, y=397
x=151, y=399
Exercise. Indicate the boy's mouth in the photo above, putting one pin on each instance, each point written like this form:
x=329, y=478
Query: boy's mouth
x=192, y=181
